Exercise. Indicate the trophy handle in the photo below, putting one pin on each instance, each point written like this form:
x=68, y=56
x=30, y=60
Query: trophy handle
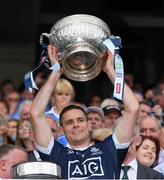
x=42, y=37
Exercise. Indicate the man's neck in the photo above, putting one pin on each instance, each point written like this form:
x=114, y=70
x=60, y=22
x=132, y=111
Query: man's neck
x=80, y=146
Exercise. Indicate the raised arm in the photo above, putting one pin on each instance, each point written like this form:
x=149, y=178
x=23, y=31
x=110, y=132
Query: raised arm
x=42, y=130
x=126, y=123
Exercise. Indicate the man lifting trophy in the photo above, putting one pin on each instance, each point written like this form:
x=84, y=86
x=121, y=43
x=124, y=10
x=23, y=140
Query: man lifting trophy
x=80, y=46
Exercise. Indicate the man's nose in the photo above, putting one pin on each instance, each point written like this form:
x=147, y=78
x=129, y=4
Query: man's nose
x=148, y=133
x=92, y=120
x=75, y=124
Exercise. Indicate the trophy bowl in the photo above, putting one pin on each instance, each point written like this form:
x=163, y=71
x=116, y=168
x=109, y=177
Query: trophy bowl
x=79, y=40
x=36, y=170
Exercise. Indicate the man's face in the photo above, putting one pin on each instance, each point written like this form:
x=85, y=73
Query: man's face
x=94, y=120
x=96, y=101
x=110, y=119
x=75, y=127
x=149, y=127
x=12, y=128
x=144, y=110
x=160, y=100
x=25, y=112
x=13, y=158
x=12, y=98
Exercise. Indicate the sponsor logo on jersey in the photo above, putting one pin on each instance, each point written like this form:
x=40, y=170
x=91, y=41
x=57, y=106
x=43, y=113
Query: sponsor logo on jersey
x=82, y=170
x=70, y=151
x=95, y=151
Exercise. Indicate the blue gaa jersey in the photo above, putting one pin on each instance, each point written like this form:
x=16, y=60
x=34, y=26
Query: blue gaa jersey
x=100, y=161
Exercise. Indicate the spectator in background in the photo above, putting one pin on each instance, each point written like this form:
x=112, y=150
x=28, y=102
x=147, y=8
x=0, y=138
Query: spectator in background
x=94, y=100
x=11, y=131
x=55, y=127
x=12, y=101
x=150, y=126
x=62, y=95
x=24, y=109
x=3, y=131
x=111, y=115
x=144, y=109
x=25, y=94
x=6, y=87
x=150, y=108
x=147, y=152
x=149, y=94
x=160, y=100
x=155, y=96
x=10, y=155
x=112, y=111
x=141, y=157
x=4, y=110
x=95, y=116
x=109, y=102
x=160, y=85
x=25, y=138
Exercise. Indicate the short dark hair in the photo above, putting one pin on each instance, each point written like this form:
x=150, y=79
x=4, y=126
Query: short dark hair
x=70, y=107
x=5, y=149
x=157, y=145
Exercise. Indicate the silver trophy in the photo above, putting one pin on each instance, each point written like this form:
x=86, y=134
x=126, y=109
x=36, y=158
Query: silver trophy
x=79, y=41
x=36, y=170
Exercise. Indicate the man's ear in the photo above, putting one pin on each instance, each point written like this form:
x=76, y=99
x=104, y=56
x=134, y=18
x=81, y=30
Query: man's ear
x=3, y=164
x=138, y=140
x=61, y=129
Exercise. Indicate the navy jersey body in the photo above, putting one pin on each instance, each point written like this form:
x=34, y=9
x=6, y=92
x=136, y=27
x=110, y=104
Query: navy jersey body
x=100, y=161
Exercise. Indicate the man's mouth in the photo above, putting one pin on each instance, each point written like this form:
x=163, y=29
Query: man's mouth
x=76, y=132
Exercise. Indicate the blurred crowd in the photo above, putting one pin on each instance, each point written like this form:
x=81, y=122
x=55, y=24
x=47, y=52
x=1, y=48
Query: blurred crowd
x=103, y=115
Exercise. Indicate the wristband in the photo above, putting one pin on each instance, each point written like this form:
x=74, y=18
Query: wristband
x=55, y=67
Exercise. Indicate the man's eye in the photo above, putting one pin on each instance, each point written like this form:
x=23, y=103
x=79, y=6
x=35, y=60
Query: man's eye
x=68, y=122
x=153, y=130
x=142, y=130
